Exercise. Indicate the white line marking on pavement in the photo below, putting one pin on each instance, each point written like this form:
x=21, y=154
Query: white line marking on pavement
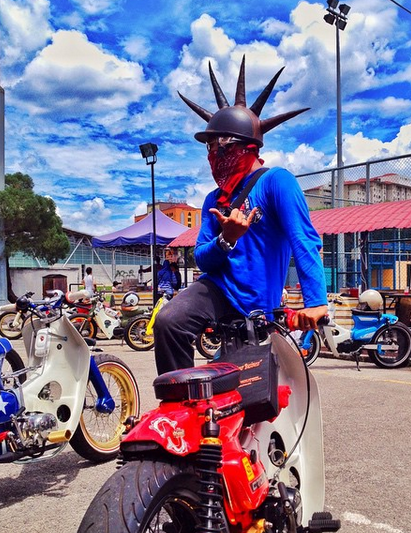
x=362, y=520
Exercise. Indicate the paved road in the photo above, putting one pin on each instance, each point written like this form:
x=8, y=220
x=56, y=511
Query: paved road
x=367, y=431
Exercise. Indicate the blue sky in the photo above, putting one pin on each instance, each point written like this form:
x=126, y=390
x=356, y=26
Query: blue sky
x=88, y=81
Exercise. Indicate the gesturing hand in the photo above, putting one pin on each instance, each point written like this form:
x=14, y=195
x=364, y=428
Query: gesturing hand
x=235, y=225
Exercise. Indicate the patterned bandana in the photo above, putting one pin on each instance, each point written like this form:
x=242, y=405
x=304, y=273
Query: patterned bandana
x=229, y=165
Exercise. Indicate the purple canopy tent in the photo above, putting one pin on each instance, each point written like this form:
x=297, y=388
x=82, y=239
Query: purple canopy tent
x=142, y=233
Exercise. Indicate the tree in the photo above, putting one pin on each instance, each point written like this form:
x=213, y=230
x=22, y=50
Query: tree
x=31, y=224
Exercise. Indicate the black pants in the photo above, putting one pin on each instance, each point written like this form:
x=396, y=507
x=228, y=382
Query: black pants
x=181, y=319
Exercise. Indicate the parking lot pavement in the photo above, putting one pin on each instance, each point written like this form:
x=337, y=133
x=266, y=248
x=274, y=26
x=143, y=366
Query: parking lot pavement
x=367, y=435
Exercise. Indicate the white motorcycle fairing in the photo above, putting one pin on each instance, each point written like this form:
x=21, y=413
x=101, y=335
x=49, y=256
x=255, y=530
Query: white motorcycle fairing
x=60, y=361
x=305, y=467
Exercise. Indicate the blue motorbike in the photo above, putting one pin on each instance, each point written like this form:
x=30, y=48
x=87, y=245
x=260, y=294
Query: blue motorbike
x=386, y=339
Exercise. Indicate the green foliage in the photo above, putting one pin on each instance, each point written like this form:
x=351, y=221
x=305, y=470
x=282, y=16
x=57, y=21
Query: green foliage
x=31, y=223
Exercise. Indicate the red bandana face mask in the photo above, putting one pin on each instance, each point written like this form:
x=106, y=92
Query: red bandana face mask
x=230, y=167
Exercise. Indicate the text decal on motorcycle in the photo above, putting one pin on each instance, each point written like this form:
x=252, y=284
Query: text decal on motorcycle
x=248, y=469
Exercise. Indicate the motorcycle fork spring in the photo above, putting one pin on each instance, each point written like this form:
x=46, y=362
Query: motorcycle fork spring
x=211, y=489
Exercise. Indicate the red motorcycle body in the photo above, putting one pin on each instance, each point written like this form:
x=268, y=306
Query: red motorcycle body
x=176, y=426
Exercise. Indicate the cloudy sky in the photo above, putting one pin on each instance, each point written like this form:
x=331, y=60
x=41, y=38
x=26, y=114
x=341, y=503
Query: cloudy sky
x=88, y=81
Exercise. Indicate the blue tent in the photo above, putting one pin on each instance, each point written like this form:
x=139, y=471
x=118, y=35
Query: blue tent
x=142, y=232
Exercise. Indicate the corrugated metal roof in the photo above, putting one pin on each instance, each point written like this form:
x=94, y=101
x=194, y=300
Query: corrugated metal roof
x=362, y=218
x=341, y=220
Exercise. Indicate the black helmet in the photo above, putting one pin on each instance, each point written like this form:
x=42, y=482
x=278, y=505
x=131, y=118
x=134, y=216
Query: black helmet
x=238, y=121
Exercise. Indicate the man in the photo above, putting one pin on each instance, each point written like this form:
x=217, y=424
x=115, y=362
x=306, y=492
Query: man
x=88, y=281
x=244, y=253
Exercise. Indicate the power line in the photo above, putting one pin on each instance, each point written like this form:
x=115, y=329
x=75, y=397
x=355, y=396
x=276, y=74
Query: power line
x=402, y=7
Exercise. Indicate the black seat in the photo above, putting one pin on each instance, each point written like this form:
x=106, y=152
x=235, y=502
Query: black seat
x=366, y=312
x=173, y=386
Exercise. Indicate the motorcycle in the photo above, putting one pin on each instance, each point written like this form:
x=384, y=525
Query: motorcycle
x=210, y=458
x=12, y=320
x=70, y=394
x=125, y=325
x=142, y=333
x=386, y=339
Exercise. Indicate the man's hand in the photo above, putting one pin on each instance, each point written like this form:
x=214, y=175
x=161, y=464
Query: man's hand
x=234, y=226
x=308, y=317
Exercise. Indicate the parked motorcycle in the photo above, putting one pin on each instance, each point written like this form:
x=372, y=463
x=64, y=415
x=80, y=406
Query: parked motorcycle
x=215, y=457
x=70, y=395
x=208, y=342
x=386, y=339
x=12, y=320
x=125, y=324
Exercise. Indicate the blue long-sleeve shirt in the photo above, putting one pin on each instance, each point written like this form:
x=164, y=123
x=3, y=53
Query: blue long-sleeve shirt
x=253, y=274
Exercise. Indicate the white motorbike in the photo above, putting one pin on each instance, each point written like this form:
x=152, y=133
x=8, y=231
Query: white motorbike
x=69, y=395
x=109, y=322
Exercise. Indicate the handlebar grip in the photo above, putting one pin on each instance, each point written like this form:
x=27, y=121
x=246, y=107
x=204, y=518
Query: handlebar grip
x=323, y=321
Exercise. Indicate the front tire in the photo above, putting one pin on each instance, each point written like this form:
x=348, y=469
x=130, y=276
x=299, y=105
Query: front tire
x=85, y=325
x=136, y=337
x=12, y=363
x=207, y=344
x=311, y=354
x=97, y=437
x=146, y=497
x=397, y=335
x=6, y=326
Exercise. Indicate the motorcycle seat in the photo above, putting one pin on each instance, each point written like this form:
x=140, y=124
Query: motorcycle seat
x=174, y=385
x=366, y=312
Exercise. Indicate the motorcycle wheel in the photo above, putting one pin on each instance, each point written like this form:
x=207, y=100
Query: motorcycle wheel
x=84, y=325
x=6, y=326
x=12, y=363
x=313, y=351
x=207, y=344
x=135, y=335
x=97, y=437
x=146, y=497
x=396, y=333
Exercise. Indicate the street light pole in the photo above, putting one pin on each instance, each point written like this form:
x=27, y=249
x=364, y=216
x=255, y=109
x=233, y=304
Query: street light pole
x=339, y=18
x=149, y=151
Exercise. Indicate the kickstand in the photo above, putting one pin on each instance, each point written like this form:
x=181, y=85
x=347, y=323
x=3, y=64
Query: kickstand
x=356, y=356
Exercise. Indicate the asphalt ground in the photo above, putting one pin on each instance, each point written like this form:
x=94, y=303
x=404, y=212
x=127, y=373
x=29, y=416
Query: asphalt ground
x=367, y=438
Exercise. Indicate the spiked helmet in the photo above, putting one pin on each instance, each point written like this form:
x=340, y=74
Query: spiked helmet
x=238, y=121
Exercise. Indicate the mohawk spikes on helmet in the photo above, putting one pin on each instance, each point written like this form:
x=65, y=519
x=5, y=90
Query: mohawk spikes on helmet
x=237, y=120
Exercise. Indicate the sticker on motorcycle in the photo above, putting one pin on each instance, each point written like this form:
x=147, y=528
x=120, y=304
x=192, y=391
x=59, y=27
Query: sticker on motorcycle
x=166, y=428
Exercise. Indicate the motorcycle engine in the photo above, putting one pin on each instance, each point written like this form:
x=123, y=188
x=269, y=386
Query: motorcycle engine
x=282, y=509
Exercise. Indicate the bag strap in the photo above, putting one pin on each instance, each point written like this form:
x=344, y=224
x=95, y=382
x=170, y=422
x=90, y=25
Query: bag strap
x=238, y=202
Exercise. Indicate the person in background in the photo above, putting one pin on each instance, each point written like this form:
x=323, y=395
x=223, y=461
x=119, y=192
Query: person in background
x=244, y=253
x=117, y=287
x=175, y=276
x=165, y=278
x=88, y=281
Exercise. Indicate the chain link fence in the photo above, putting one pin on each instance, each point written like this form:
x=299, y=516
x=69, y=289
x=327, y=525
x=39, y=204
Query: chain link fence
x=388, y=252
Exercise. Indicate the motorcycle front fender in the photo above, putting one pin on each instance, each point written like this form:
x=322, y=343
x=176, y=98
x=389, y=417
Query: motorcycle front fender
x=307, y=461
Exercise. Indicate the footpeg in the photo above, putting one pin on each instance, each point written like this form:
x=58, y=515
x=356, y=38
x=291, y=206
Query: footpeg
x=323, y=522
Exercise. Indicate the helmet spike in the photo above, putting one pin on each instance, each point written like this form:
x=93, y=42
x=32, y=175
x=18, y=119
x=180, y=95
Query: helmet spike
x=270, y=123
x=262, y=99
x=218, y=93
x=240, y=92
x=203, y=113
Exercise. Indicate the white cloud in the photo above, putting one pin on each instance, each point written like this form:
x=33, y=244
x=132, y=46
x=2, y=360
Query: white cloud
x=98, y=7
x=24, y=29
x=92, y=217
x=73, y=77
x=359, y=148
